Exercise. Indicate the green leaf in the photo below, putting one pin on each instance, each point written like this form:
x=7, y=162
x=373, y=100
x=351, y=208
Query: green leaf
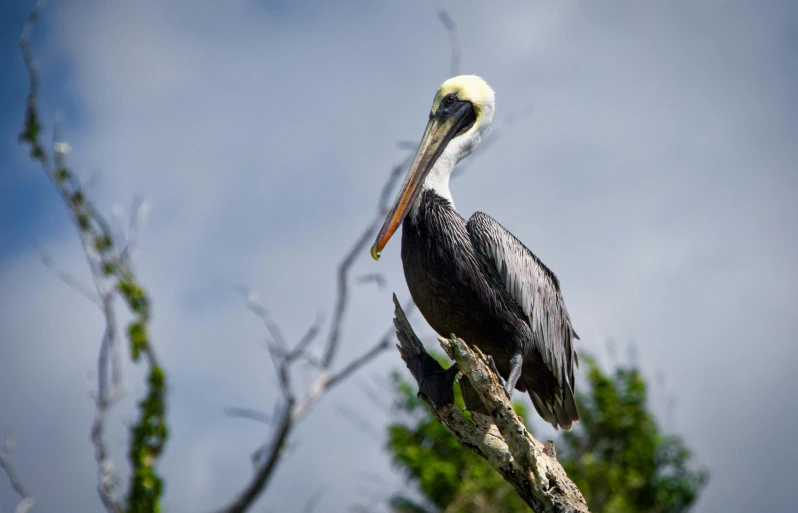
x=617, y=454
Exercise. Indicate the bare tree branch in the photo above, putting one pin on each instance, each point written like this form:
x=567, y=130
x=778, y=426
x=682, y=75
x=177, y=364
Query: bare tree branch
x=26, y=500
x=138, y=214
x=500, y=437
x=293, y=408
x=359, y=421
x=492, y=137
x=248, y=413
x=112, y=274
x=377, y=278
x=369, y=355
x=277, y=446
x=454, y=38
x=277, y=342
x=69, y=280
x=309, y=336
x=108, y=392
x=110, y=264
x=372, y=393
x=389, y=186
x=358, y=249
x=313, y=501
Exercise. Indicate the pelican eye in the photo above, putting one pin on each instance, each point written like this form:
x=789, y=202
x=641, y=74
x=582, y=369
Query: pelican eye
x=468, y=120
x=449, y=100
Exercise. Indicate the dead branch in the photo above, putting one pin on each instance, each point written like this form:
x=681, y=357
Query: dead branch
x=454, y=39
x=359, y=421
x=26, y=500
x=369, y=355
x=68, y=280
x=277, y=446
x=248, y=413
x=112, y=274
x=293, y=406
x=358, y=249
x=292, y=409
x=500, y=437
x=313, y=501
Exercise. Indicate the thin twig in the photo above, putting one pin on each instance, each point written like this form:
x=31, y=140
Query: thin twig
x=278, y=343
x=454, y=39
x=248, y=413
x=69, y=280
x=357, y=250
x=372, y=394
x=294, y=407
x=138, y=215
x=313, y=501
x=492, y=138
x=278, y=445
x=26, y=500
x=106, y=396
x=383, y=344
x=309, y=336
x=112, y=274
x=359, y=421
x=377, y=278
x=326, y=379
x=342, y=300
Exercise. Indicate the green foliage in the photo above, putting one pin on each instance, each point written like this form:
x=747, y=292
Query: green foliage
x=148, y=435
x=616, y=455
x=147, y=441
x=450, y=477
x=619, y=458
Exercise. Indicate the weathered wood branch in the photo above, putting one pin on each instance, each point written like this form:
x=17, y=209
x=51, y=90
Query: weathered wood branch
x=501, y=436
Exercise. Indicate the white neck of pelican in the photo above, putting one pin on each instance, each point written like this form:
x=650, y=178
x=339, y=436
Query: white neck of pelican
x=458, y=148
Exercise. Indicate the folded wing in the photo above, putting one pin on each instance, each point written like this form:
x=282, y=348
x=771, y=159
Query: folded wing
x=536, y=289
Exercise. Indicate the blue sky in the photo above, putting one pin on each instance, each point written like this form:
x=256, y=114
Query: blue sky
x=22, y=194
x=655, y=175
x=29, y=207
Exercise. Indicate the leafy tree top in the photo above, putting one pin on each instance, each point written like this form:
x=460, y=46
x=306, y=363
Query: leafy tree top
x=616, y=454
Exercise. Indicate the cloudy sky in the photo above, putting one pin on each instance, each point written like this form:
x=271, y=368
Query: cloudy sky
x=656, y=174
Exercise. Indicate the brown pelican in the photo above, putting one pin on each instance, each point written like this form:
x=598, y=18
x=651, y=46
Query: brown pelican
x=475, y=279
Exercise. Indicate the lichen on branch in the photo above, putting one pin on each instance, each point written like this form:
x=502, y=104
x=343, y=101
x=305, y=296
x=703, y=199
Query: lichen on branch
x=501, y=436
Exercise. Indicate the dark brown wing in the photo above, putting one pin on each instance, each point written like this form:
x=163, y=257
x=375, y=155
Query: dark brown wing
x=536, y=289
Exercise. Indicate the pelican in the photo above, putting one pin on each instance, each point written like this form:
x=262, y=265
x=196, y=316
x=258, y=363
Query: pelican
x=474, y=278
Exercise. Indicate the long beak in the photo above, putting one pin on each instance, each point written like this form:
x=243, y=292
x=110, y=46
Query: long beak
x=436, y=137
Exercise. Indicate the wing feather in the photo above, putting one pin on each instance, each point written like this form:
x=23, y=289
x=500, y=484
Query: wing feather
x=535, y=288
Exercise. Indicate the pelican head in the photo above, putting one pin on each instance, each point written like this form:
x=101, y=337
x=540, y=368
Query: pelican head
x=461, y=115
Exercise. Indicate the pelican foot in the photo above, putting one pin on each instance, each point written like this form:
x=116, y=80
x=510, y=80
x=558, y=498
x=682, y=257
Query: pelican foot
x=509, y=390
x=507, y=387
x=434, y=382
x=492, y=364
x=515, y=372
